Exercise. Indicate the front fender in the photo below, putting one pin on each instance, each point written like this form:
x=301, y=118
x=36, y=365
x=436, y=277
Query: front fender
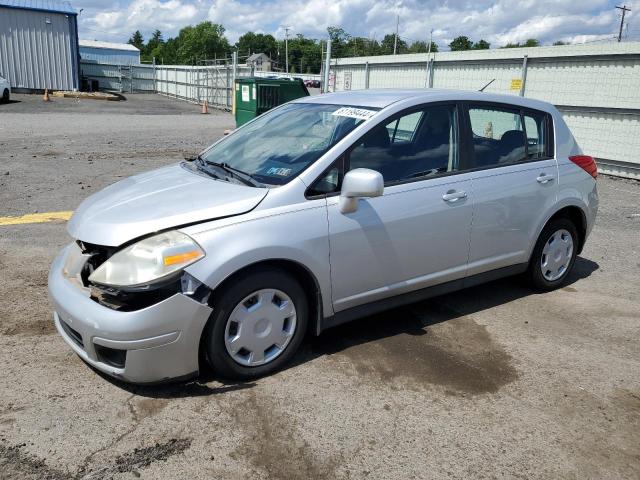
x=299, y=235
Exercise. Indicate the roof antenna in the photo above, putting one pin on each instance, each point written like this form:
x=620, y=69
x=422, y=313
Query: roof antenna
x=482, y=89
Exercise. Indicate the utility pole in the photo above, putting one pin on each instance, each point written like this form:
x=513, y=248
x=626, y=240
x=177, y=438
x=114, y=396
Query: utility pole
x=286, y=48
x=395, y=41
x=430, y=42
x=624, y=11
x=327, y=67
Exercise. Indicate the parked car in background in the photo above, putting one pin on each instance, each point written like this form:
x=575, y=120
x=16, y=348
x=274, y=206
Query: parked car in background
x=5, y=90
x=322, y=210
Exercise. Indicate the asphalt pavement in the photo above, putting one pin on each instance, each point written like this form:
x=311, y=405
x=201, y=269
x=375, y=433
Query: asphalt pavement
x=495, y=381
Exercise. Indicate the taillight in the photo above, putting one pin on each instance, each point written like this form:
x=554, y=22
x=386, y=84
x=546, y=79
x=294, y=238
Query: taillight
x=587, y=163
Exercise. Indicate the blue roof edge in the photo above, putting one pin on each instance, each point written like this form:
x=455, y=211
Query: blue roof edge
x=65, y=7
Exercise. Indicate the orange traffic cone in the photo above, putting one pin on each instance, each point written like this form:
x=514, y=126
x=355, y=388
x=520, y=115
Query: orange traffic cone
x=46, y=95
x=205, y=107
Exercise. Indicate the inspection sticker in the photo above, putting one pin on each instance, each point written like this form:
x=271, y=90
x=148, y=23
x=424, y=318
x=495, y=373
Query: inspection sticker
x=353, y=112
x=282, y=172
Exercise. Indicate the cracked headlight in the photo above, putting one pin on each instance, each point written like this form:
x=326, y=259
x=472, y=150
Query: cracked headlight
x=148, y=260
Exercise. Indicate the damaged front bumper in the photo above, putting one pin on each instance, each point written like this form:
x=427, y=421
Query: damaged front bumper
x=153, y=344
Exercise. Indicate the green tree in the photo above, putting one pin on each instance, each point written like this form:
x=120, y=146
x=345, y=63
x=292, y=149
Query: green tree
x=304, y=54
x=531, y=42
x=205, y=41
x=251, y=43
x=422, y=47
x=155, y=41
x=560, y=42
x=460, y=43
x=339, y=40
x=481, y=45
x=386, y=45
x=167, y=52
x=358, y=47
x=137, y=40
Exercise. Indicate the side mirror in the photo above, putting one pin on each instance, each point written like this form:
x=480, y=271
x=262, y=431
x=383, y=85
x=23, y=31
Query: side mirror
x=359, y=183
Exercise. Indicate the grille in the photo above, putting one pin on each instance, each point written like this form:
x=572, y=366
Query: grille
x=73, y=334
x=268, y=97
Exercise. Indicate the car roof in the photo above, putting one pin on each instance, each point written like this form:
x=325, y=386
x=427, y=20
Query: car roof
x=381, y=98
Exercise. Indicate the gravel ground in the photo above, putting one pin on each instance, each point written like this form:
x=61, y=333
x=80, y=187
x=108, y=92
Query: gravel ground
x=491, y=382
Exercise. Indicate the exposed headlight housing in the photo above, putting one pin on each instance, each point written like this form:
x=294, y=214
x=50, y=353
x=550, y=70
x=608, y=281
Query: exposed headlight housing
x=148, y=260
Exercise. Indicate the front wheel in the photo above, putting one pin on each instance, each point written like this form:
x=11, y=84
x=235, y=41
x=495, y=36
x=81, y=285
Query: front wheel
x=258, y=323
x=5, y=96
x=554, y=255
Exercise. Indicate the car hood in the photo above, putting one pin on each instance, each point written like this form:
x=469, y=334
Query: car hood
x=158, y=200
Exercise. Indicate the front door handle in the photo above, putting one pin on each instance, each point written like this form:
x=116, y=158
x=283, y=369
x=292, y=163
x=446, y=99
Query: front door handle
x=453, y=196
x=544, y=178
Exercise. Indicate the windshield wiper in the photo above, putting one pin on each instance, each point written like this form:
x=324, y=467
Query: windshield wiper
x=239, y=174
x=201, y=166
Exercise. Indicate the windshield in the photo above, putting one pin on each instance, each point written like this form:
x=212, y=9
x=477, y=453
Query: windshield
x=278, y=145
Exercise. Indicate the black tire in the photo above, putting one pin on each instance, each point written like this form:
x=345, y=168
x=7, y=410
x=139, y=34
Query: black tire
x=226, y=300
x=535, y=274
x=5, y=96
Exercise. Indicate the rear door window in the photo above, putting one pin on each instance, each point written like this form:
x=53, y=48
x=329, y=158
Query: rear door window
x=504, y=136
x=498, y=136
x=537, y=128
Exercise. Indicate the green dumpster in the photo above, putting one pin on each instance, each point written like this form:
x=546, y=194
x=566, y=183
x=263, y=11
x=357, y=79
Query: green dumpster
x=254, y=95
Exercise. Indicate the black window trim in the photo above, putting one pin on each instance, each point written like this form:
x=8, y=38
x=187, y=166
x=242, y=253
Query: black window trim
x=488, y=105
x=464, y=162
x=339, y=163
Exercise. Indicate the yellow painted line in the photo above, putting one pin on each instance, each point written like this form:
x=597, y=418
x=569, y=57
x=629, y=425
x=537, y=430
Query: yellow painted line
x=35, y=218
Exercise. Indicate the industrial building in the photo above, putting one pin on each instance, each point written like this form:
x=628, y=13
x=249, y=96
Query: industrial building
x=107, y=52
x=39, y=45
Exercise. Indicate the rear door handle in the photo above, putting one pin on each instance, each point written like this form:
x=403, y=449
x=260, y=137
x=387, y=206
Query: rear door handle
x=544, y=178
x=453, y=196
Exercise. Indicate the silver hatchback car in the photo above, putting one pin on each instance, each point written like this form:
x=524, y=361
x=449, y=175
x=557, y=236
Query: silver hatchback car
x=322, y=210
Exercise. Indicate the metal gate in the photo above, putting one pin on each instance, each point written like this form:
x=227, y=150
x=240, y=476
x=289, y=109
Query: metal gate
x=120, y=78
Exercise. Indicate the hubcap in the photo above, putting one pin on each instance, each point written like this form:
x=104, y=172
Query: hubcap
x=556, y=255
x=260, y=327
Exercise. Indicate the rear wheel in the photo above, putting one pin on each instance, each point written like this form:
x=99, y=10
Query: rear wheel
x=5, y=96
x=258, y=323
x=554, y=255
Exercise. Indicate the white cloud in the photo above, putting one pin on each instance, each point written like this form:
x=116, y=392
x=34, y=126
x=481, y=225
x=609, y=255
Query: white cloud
x=498, y=22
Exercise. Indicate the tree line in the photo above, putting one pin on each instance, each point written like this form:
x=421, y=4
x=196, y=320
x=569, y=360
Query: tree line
x=206, y=42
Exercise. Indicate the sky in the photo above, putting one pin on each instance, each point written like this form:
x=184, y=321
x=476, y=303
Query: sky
x=498, y=22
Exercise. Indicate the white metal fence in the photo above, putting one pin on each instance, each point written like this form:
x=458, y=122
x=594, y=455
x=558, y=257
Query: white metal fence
x=120, y=78
x=197, y=84
x=596, y=86
x=213, y=84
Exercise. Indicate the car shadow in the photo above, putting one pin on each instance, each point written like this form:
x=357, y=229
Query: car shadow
x=407, y=320
x=414, y=319
x=179, y=389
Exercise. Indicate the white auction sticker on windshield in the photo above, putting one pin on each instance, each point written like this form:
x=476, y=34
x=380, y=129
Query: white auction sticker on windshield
x=353, y=112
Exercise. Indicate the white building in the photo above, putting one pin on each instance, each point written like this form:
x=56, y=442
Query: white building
x=107, y=52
